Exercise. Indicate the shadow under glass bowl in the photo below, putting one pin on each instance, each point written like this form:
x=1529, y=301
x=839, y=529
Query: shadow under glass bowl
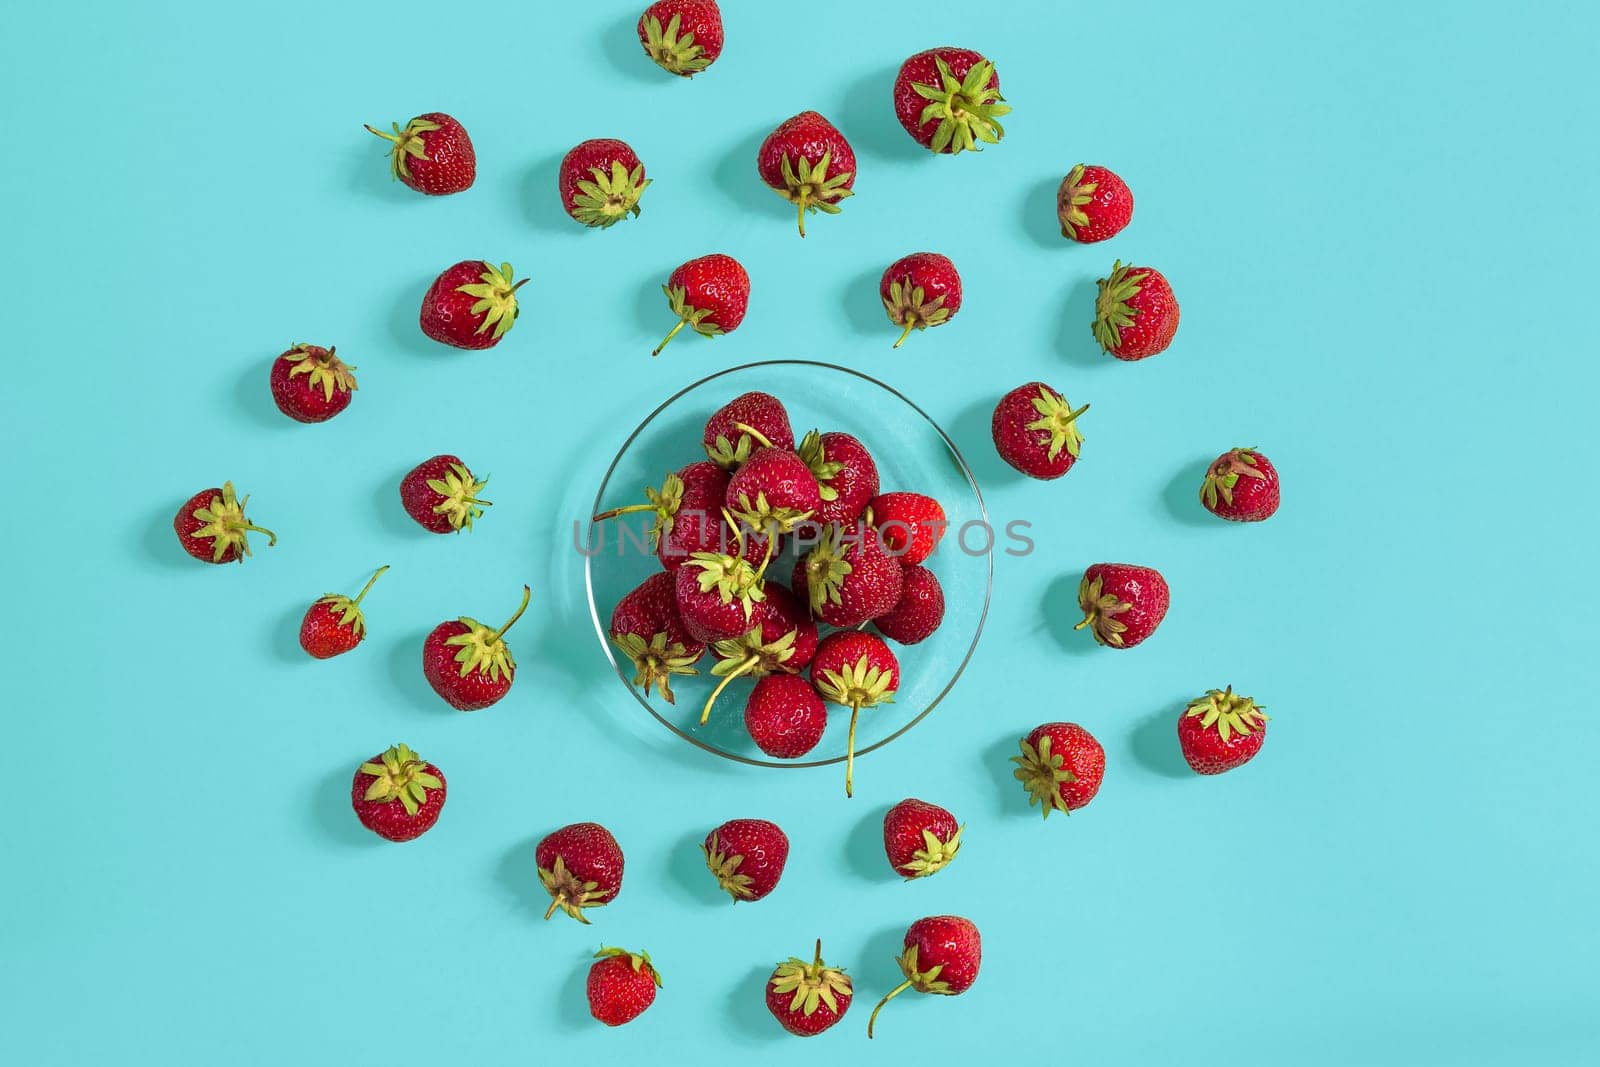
x=912, y=454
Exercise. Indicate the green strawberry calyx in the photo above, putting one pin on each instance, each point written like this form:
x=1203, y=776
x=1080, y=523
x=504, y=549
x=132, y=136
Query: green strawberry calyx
x=1043, y=773
x=496, y=294
x=1070, y=201
x=1059, y=420
x=697, y=319
x=813, y=454
x=407, y=144
x=908, y=306
x=606, y=198
x=747, y=655
x=812, y=984
x=673, y=51
x=656, y=660
x=725, y=867
x=226, y=526
x=1112, y=314
x=1100, y=611
x=461, y=504
x=934, y=854
x=639, y=961
x=1228, y=713
x=321, y=367
x=665, y=502
x=400, y=774
x=967, y=109
x=856, y=686
x=809, y=186
x=730, y=577
x=826, y=569
x=770, y=519
x=349, y=611
x=569, y=892
x=923, y=981
x=1224, y=475
x=484, y=650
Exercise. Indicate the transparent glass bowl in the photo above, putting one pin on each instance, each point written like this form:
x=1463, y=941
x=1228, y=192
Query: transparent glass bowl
x=912, y=454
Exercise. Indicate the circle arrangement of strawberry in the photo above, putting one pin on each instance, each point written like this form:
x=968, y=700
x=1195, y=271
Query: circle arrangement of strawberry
x=621, y=985
x=468, y=664
x=334, y=624
x=684, y=37
x=808, y=997
x=746, y=856
x=432, y=155
x=919, y=291
x=397, y=794
x=709, y=295
x=471, y=305
x=601, y=181
x=212, y=527
x=807, y=161
x=311, y=384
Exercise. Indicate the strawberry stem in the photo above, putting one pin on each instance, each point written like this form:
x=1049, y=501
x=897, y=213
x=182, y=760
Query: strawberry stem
x=751, y=431
x=895, y=992
x=800, y=205
x=614, y=512
x=527, y=594
x=671, y=334
x=555, y=902
x=911, y=324
x=744, y=668
x=850, y=775
x=391, y=137
x=272, y=538
x=357, y=601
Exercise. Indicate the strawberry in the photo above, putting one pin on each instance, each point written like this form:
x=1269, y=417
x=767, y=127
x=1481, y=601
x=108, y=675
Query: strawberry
x=432, y=155
x=709, y=295
x=645, y=626
x=334, y=624
x=1221, y=731
x=920, y=290
x=746, y=856
x=580, y=866
x=1061, y=767
x=846, y=475
x=781, y=637
x=856, y=670
x=471, y=305
x=807, y=998
x=441, y=494
x=1093, y=204
x=1135, y=314
x=1122, y=603
x=1036, y=431
x=807, y=161
x=918, y=612
x=688, y=513
x=785, y=716
x=601, y=181
x=211, y=526
x=684, y=37
x=717, y=593
x=1241, y=485
x=773, y=491
x=468, y=664
x=920, y=838
x=621, y=985
x=942, y=954
x=910, y=524
x=733, y=430
x=311, y=384
x=849, y=577
x=397, y=794
x=948, y=99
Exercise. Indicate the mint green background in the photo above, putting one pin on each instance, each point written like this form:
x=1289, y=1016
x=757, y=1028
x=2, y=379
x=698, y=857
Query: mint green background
x=1380, y=222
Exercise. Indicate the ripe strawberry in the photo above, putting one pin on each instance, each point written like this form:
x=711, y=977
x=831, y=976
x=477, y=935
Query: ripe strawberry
x=919, y=611
x=781, y=637
x=1122, y=603
x=920, y=838
x=688, y=513
x=211, y=526
x=334, y=624
x=948, y=99
x=709, y=295
x=601, y=181
x=807, y=161
x=311, y=384
x=807, y=998
x=920, y=290
x=1061, y=767
x=1221, y=731
x=684, y=37
x=773, y=491
x=432, y=155
x=728, y=436
x=942, y=954
x=746, y=856
x=1093, y=204
x=397, y=794
x=1241, y=486
x=621, y=985
x=849, y=577
x=717, y=593
x=1036, y=431
x=856, y=670
x=785, y=716
x=471, y=305
x=1135, y=314
x=441, y=494
x=468, y=664
x=645, y=626
x=846, y=475
x=910, y=524
x=580, y=866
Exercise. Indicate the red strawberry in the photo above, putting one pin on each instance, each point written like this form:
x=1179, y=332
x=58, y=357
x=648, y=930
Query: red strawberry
x=211, y=526
x=846, y=475
x=920, y=290
x=334, y=624
x=785, y=716
x=468, y=664
x=773, y=491
x=856, y=670
x=728, y=436
x=601, y=181
x=471, y=305
x=807, y=998
x=441, y=494
x=709, y=295
x=311, y=384
x=920, y=838
x=688, y=513
x=1036, y=431
x=621, y=985
x=397, y=794
x=746, y=856
x=1241, y=485
x=1135, y=314
x=432, y=155
x=910, y=524
x=919, y=611
x=1093, y=204
x=645, y=626
x=942, y=954
x=1061, y=766
x=1221, y=731
x=948, y=99
x=1122, y=603
x=807, y=161
x=684, y=37
x=781, y=637
x=849, y=577
x=580, y=866
x=717, y=593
